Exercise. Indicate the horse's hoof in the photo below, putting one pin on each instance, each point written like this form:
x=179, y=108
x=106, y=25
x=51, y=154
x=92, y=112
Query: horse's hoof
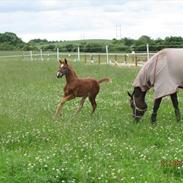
x=177, y=114
x=153, y=118
x=153, y=123
x=137, y=120
x=178, y=119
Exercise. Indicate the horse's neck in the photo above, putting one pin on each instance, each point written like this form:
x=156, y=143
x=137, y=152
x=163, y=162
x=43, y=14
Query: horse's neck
x=71, y=76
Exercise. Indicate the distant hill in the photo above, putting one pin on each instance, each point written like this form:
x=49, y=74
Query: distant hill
x=10, y=41
x=85, y=45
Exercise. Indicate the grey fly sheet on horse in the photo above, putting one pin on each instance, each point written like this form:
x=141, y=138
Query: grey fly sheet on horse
x=163, y=71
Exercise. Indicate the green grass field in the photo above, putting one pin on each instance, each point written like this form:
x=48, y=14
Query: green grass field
x=106, y=147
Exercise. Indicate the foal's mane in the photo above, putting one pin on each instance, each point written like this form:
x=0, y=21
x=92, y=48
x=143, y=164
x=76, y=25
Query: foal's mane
x=72, y=70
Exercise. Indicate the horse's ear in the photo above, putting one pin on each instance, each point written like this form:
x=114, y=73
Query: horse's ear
x=65, y=61
x=130, y=95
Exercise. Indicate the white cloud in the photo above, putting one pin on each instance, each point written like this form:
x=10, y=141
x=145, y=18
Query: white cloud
x=75, y=19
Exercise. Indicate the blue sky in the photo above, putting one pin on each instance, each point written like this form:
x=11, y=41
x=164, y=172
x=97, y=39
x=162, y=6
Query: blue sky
x=89, y=19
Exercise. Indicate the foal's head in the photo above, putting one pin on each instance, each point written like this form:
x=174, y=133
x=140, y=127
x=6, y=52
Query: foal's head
x=63, y=68
x=137, y=103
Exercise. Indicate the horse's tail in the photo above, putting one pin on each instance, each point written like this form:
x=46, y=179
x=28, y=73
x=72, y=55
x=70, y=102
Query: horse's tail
x=105, y=80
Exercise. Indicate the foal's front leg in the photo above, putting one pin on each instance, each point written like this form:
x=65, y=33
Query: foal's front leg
x=157, y=103
x=175, y=105
x=61, y=104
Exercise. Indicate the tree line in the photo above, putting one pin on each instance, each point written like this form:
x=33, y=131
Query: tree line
x=10, y=41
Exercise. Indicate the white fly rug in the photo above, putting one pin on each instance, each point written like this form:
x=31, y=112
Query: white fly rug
x=163, y=71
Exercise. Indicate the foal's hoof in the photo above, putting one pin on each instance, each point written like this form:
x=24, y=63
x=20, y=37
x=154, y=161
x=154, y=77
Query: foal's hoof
x=54, y=118
x=177, y=114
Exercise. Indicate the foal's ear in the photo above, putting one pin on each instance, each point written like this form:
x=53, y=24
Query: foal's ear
x=65, y=60
x=130, y=95
x=60, y=61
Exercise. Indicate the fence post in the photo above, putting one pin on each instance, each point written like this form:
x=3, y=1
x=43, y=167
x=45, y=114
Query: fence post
x=116, y=58
x=31, y=58
x=41, y=54
x=78, y=54
x=107, y=54
x=134, y=58
x=58, y=54
x=48, y=56
x=85, y=58
x=23, y=55
x=125, y=57
x=99, y=58
x=147, y=46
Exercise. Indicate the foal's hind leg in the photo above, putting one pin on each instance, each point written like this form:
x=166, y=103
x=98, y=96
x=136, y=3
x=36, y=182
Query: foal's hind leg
x=175, y=105
x=157, y=103
x=81, y=104
x=93, y=103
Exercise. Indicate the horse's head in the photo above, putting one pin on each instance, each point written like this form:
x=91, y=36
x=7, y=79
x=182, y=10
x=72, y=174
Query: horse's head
x=137, y=103
x=63, y=68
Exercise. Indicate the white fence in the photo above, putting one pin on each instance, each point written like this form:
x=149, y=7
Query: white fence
x=107, y=57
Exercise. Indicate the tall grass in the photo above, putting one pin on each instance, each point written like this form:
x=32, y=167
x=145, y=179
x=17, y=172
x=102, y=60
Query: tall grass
x=105, y=147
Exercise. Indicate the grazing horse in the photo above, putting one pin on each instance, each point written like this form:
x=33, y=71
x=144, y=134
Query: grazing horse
x=163, y=72
x=77, y=87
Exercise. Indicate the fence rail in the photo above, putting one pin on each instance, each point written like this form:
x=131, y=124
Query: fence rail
x=109, y=58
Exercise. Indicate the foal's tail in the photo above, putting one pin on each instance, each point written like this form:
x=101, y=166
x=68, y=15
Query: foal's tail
x=105, y=80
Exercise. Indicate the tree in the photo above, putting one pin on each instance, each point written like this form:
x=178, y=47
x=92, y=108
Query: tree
x=29, y=47
x=173, y=42
x=11, y=41
x=50, y=47
x=140, y=44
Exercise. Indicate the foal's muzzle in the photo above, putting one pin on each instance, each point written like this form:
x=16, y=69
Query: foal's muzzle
x=59, y=74
x=62, y=73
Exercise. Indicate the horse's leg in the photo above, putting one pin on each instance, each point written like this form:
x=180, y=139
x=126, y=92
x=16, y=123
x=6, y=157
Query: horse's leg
x=175, y=105
x=93, y=103
x=61, y=104
x=81, y=104
x=157, y=103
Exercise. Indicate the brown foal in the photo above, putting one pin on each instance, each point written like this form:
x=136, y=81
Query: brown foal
x=77, y=87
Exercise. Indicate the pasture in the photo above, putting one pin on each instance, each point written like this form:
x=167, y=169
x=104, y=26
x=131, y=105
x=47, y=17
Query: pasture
x=106, y=147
